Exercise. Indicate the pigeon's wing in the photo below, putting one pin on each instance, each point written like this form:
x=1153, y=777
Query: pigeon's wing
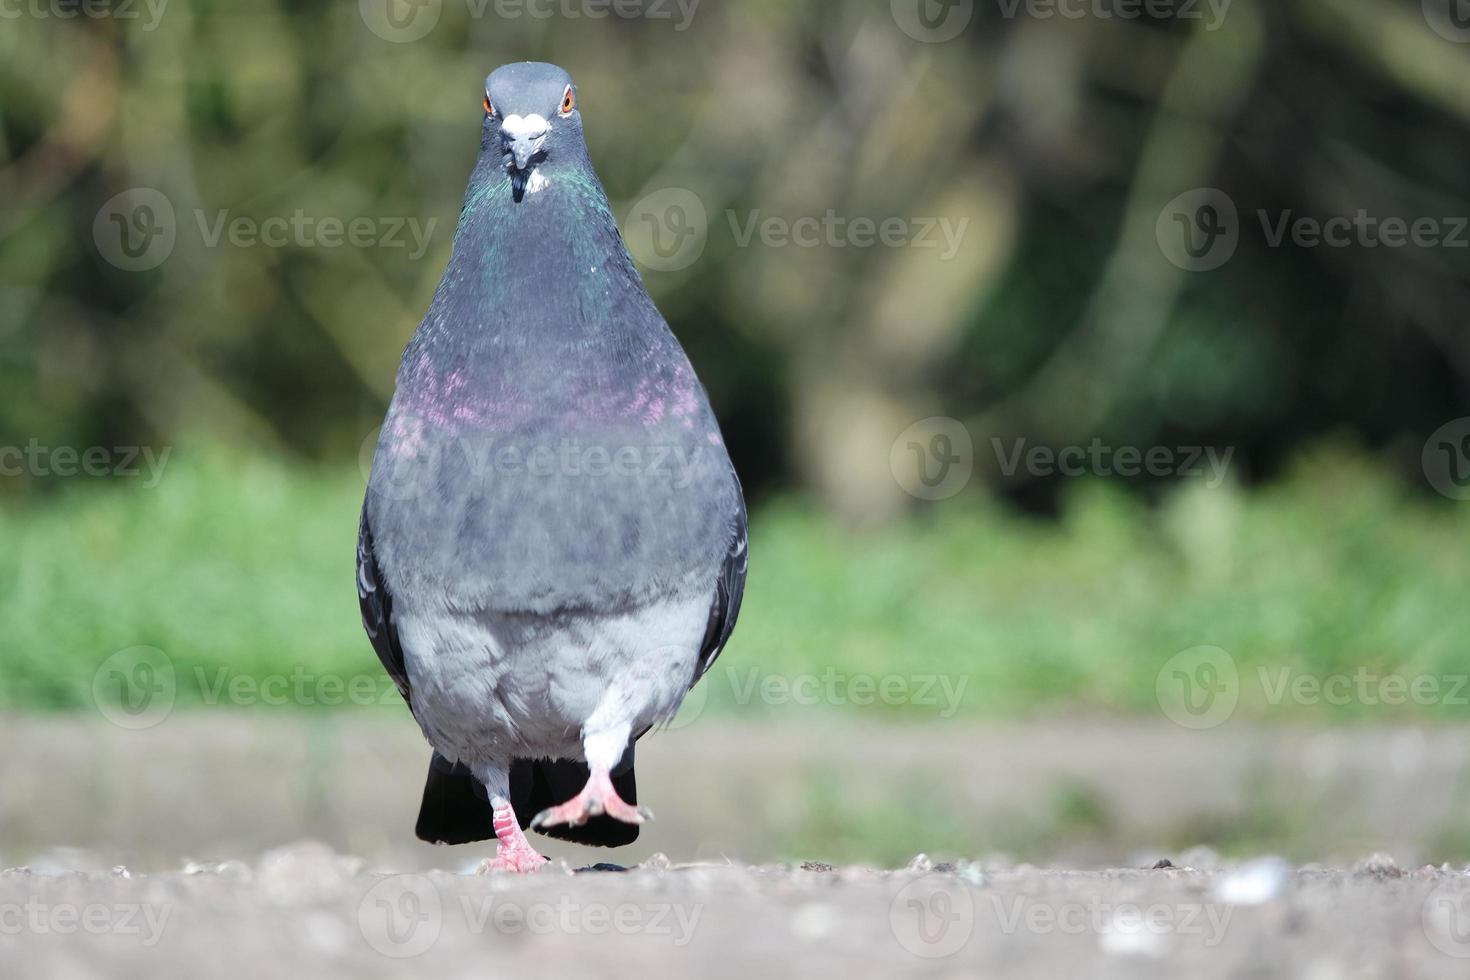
x=376, y=603
x=729, y=590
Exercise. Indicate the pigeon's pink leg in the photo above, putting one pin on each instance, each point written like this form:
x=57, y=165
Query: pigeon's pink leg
x=512, y=851
x=597, y=797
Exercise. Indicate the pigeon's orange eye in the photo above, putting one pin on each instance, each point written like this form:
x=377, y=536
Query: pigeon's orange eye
x=568, y=102
x=489, y=109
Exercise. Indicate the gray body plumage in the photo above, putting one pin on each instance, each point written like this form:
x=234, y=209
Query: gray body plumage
x=553, y=536
x=490, y=687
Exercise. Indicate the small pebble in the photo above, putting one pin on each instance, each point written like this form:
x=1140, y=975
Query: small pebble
x=1253, y=883
x=658, y=862
x=920, y=864
x=1379, y=865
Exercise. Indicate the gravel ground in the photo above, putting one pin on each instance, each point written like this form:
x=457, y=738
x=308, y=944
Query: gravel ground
x=304, y=910
x=202, y=810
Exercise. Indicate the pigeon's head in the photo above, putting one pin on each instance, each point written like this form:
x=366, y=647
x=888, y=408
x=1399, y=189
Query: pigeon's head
x=531, y=116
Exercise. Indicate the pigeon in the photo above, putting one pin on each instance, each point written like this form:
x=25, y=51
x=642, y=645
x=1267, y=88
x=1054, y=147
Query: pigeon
x=552, y=548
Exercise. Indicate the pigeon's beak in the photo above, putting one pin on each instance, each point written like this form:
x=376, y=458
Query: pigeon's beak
x=523, y=136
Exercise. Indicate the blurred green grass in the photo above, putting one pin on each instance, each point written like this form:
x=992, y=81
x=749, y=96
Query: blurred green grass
x=242, y=567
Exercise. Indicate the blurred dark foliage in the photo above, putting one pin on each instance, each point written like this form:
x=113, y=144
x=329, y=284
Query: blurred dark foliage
x=1060, y=139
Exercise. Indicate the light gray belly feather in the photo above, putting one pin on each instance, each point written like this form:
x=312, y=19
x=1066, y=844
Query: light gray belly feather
x=489, y=687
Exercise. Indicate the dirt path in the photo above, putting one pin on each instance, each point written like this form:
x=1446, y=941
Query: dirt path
x=213, y=786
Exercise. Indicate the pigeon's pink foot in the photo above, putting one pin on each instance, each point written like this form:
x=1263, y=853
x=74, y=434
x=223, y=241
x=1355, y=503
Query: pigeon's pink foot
x=521, y=861
x=513, y=852
x=597, y=797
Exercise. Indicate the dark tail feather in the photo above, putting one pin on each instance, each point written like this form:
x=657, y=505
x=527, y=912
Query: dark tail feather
x=455, y=808
x=536, y=784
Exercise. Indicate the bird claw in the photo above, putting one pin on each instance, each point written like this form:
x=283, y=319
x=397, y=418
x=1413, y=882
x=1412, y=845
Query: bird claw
x=516, y=861
x=513, y=853
x=596, y=799
x=554, y=816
